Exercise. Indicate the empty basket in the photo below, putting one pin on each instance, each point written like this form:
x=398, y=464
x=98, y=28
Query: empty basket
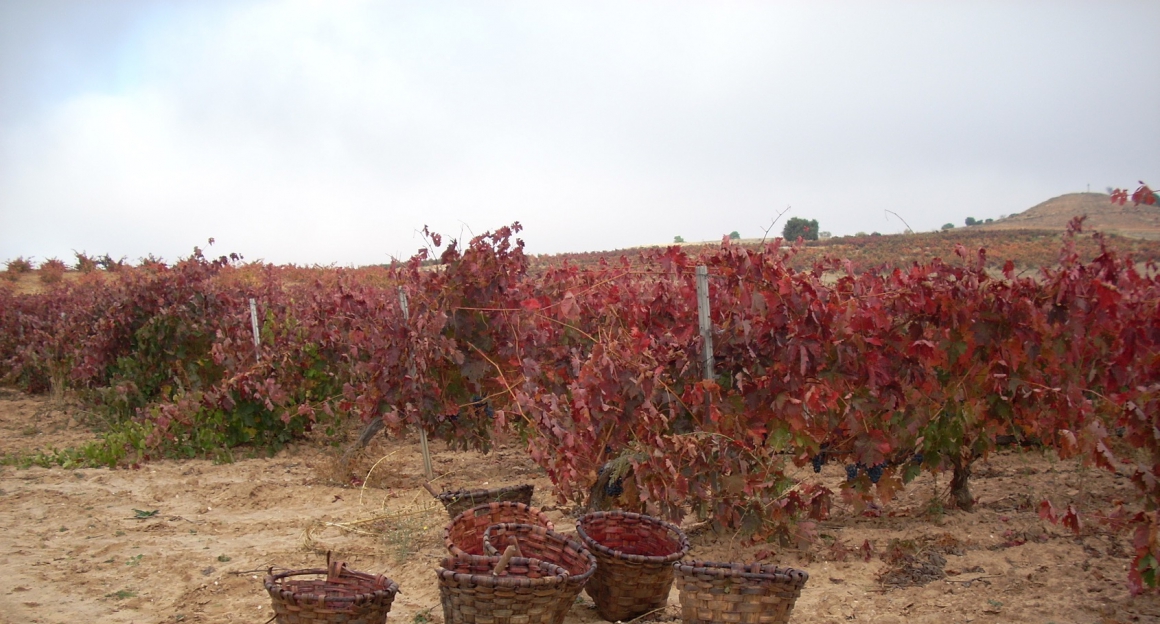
x=343, y=596
x=735, y=593
x=459, y=501
x=634, y=561
x=537, y=542
x=499, y=590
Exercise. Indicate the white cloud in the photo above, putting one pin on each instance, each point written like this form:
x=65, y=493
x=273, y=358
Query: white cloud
x=330, y=132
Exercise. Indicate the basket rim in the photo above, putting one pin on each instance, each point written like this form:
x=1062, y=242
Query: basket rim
x=682, y=539
x=452, y=495
x=723, y=570
x=536, y=511
x=558, y=576
x=583, y=550
x=273, y=583
x=454, y=548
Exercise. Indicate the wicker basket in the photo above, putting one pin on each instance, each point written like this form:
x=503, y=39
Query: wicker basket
x=634, y=561
x=342, y=596
x=486, y=590
x=464, y=536
x=459, y=501
x=716, y=593
x=537, y=542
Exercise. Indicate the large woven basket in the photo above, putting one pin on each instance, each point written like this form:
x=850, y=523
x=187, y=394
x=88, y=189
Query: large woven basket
x=634, y=561
x=459, y=501
x=479, y=590
x=537, y=542
x=464, y=535
x=342, y=596
x=734, y=593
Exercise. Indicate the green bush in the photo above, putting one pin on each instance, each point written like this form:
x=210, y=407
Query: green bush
x=797, y=227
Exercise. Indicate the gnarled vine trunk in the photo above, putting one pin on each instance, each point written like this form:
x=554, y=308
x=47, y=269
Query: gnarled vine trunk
x=960, y=491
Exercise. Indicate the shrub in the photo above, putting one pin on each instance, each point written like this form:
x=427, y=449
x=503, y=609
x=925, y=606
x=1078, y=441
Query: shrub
x=734, y=235
x=85, y=264
x=52, y=270
x=948, y=226
x=107, y=263
x=17, y=267
x=678, y=239
x=971, y=221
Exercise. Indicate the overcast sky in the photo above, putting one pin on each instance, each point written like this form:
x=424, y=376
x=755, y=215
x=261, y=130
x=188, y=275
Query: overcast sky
x=330, y=132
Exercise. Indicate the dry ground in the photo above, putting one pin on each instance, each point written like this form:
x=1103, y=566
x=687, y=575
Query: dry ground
x=76, y=552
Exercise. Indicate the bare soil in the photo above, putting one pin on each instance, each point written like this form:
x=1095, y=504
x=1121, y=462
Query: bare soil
x=78, y=550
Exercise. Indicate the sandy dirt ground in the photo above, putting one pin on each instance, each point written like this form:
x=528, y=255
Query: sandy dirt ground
x=76, y=550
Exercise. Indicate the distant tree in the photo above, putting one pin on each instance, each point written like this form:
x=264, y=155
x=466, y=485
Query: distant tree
x=796, y=226
x=860, y=234
x=734, y=235
x=948, y=226
x=988, y=220
x=824, y=235
x=678, y=239
x=971, y=221
x=875, y=234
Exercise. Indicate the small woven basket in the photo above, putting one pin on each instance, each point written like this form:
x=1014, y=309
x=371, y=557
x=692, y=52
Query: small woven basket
x=734, y=593
x=464, y=535
x=459, y=501
x=490, y=590
x=343, y=596
x=634, y=561
x=537, y=542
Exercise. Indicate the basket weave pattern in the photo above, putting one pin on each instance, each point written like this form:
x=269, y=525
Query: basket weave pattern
x=459, y=501
x=343, y=596
x=634, y=561
x=537, y=542
x=527, y=592
x=715, y=593
x=464, y=536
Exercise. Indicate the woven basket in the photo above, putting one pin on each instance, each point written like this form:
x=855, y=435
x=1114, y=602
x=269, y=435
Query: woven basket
x=716, y=593
x=459, y=501
x=479, y=590
x=343, y=596
x=537, y=542
x=464, y=535
x=634, y=561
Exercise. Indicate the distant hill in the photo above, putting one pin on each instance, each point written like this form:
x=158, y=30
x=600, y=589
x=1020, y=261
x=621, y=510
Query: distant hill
x=1054, y=214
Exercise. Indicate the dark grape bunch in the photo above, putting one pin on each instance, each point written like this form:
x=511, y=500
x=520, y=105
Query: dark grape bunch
x=874, y=472
x=817, y=461
x=478, y=401
x=614, y=488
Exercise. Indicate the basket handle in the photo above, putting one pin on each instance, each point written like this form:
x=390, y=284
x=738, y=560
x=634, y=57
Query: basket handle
x=513, y=542
x=504, y=560
x=333, y=569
